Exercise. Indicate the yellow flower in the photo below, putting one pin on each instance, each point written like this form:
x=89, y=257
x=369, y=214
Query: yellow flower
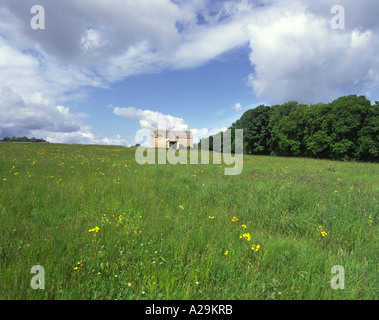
x=246, y=236
x=226, y=252
x=96, y=229
x=243, y=226
x=181, y=207
x=324, y=233
x=255, y=247
x=211, y=217
x=234, y=219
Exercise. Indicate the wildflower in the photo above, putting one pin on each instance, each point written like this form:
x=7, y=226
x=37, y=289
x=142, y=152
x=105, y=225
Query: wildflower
x=243, y=226
x=211, y=217
x=226, y=252
x=323, y=233
x=181, y=207
x=255, y=247
x=247, y=236
x=96, y=229
x=234, y=219
x=4, y=179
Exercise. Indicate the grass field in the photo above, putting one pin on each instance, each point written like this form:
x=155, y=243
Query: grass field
x=104, y=227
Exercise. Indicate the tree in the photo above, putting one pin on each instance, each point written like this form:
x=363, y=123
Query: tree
x=368, y=137
x=317, y=139
x=345, y=120
x=345, y=129
x=287, y=127
x=256, y=134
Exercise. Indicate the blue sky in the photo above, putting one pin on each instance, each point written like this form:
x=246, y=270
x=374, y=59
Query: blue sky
x=99, y=73
x=204, y=96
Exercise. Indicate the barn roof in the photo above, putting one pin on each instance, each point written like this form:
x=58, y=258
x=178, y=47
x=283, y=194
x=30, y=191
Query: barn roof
x=168, y=134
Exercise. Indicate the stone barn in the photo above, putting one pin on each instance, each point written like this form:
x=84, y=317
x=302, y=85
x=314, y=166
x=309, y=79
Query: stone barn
x=170, y=139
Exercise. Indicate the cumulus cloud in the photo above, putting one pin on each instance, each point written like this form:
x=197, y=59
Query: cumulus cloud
x=21, y=115
x=203, y=133
x=298, y=56
x=38, y=117
x=151, y=119
x=238, y=107
x=85, y=137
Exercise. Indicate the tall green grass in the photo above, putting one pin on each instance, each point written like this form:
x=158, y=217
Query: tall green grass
x=177, y=231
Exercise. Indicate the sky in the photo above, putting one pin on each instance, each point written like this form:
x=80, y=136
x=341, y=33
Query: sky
x=99, y=72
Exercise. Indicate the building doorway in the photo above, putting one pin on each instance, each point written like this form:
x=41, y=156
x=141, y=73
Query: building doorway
x=173, y=145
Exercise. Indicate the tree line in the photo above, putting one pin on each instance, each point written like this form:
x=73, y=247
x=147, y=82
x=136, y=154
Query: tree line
x=22, y=139
x=345, y=129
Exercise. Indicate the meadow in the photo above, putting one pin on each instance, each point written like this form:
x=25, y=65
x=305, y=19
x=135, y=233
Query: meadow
x=104, y=227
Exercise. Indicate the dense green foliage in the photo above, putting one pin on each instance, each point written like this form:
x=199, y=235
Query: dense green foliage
x=22, y=139
x=346, y=129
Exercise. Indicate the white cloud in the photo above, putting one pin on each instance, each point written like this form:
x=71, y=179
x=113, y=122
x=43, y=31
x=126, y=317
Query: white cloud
x=203, y=133
x=238, y=107
x=298, y=56
x=37, y=117
x=23, y=115
x=92, y=40
x=85, y=137
x=156, y=120
x=208, y=43
x=151, y=119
